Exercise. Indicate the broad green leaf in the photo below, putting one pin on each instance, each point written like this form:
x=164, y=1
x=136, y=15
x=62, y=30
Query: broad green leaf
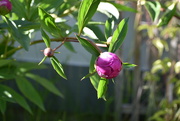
x=18, y=98
x=128, y=65
x=89, y=75
x=102, y=87
x=153, y=7
x=57, y=66
x=23, y=39
x=89, y=46
x=118, y=35
x=86, y=11
x=45, y=83
x=109, y=25
x=2, y=106
x=48, y=23
x=166, y=17
x=45, y=38
x=123, y=7
x=29, y=91
x=94, y=78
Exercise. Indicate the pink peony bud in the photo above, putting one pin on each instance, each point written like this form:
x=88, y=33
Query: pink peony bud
x=5, y=7
x=108, y=65
x=48, y=52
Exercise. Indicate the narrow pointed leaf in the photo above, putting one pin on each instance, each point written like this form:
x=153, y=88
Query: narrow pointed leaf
x=123, y=7
x=94, y=78
x=89, y=46
x=102, y=87
x=48, y=23
x=128, y=65
x=166, y=17
x=23, y=39
x=2, y=106
x=18, y=98
x=153, y=8
x=45, y=83
x=118, y=35
x=86, y=11
x=89, y=75
x=42, y=60
x=57, y=66
x=29, y=91
x=45, y=38
x=108, y=27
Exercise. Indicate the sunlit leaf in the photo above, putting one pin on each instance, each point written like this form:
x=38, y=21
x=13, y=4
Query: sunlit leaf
x=118, y=35
x=153, y=7
x=48, y=23
x=45, y=38
x=102, y=87
x=128, y=65
x=177, y=67
x=166, y=17
x=29, y=91
x=89, y=46
x=18, y=98
x=109, y=25
x=86, y=11
x=45, y=83
x=44, y=58
x=23, y=39
x=58, y=67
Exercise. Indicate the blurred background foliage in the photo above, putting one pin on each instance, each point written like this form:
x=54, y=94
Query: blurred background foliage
x=151, y=94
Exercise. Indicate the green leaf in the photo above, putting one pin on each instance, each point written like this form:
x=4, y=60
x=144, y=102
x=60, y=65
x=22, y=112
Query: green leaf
x=128, y=65
x=18, y=98
x=89, y=75
x=123, y=7
x=45, y=83
x=42, y=60
x=48, y=23
x=69, y=46
x=2, y=106
x=118, y=35
x=45, y=38
x=97, y=31
x=89, y=46
x=4, y=62
x=109, y=25
x=23, y=39
x=86, y=11
x=153, y=7
x=94, y=78
x=166, y=17
x=29, y=91
x=57, y=66
x=102, y=87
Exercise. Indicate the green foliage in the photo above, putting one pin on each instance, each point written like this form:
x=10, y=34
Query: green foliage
x=86, y=11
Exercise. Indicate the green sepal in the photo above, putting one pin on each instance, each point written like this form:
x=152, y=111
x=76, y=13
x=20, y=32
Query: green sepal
x=102, y=87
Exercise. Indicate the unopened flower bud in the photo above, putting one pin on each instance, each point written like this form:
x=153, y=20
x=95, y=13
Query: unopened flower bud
x=5, y=7
x=108, y=65
x=48, y=52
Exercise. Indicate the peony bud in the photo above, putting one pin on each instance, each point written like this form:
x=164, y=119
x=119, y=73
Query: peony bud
x=48, y=52
x=5, y=7
x=108, y=65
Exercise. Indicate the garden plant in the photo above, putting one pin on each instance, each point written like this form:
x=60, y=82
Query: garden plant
x=22, y=19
